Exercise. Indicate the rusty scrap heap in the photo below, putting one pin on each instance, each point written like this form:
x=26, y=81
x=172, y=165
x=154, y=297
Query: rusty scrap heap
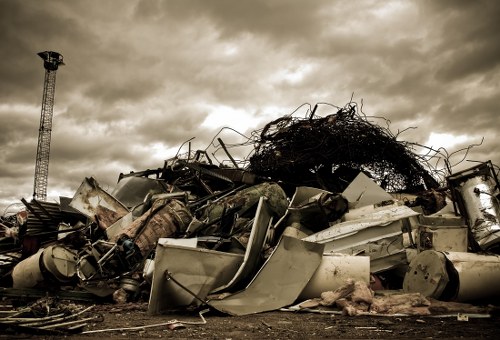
x=325, y=152
x=313, y=220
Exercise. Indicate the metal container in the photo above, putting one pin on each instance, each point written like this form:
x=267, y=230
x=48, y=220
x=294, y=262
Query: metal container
x=457, y=276
x=475, y=192
x=333, y=272
x=27, y=273
x=51, y=264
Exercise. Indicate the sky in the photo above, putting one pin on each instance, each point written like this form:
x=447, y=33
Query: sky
x=142, y=77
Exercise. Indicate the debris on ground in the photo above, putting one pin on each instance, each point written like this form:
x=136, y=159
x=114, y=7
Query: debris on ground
x=331, y=213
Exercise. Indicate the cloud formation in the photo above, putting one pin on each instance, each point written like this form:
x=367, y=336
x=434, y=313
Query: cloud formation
x=144, y=76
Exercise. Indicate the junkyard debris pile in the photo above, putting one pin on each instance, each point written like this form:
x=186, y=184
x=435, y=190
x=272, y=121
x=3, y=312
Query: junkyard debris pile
x=331, y=211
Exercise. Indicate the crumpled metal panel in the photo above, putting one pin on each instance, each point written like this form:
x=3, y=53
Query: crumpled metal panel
x=95, y=203
x=380, y=223
x=279, y=282
x=132, y=190
x=196, y=269
x=364, y=191
x=255, y=245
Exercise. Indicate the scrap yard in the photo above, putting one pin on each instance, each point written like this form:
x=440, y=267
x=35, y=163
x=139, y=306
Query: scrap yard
x=331, y=227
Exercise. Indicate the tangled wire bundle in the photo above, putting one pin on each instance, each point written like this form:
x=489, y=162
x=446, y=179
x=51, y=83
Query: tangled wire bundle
x=327, y=151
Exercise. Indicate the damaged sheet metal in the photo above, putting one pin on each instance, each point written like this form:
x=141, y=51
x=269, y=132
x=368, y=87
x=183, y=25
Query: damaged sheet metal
x=183, y=276
x=132, y=191
x=441, y=234
x=254, y=248
x=476, y=192
x=455, y=276
x=377, y=233
x=95, y=203
x=364, y=191
x=279, y=282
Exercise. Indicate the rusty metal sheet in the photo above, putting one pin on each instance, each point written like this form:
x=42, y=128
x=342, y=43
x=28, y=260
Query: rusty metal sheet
x=98, y=205
x=280, y=280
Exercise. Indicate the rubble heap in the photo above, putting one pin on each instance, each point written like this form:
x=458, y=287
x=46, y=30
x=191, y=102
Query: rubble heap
x=316, y=209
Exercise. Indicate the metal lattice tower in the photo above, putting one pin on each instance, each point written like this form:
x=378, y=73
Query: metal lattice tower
x=51, y=62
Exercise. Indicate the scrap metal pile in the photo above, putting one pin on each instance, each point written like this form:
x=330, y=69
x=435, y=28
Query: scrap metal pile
x=194, y=234
x=305, y=151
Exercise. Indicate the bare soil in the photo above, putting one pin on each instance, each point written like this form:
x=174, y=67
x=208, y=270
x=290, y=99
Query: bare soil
x=132, y=321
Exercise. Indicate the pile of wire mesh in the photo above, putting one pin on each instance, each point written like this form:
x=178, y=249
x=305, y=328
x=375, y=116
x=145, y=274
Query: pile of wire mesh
x=327, y=152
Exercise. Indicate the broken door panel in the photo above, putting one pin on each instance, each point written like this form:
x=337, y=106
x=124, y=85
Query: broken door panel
x=97, y=204
x=184, y=275
x=280, y=280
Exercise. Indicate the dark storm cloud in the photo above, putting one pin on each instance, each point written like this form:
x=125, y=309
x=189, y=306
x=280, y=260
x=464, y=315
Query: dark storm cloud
x=470, y=36
x=144, y=76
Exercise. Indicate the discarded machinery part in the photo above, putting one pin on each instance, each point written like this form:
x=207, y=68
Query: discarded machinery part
x=131, y=191
x=319, y=211
x=442, y=238
x=95, y=203
x=333, y=272
x=427, y=274
x=247, y=198
x=475, y=192
x=279, y=281
x=53, y=263
x=60, y=262
x=166, y=218
x=129, y=284
x=207, y=269
x=388, y=221
x=256, y=241
x=204, y=171
x=27, y=273
x=456, y=276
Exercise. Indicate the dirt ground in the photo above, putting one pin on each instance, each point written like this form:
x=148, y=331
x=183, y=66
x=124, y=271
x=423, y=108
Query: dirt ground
x=275, y=325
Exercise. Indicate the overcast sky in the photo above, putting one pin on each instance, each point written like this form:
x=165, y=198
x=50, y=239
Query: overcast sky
x=144, y=76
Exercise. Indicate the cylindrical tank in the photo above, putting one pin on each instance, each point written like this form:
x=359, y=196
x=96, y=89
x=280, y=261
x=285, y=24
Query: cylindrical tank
x=482, y=209
x=333, y=272
x=456, y=276
x=53, y=263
